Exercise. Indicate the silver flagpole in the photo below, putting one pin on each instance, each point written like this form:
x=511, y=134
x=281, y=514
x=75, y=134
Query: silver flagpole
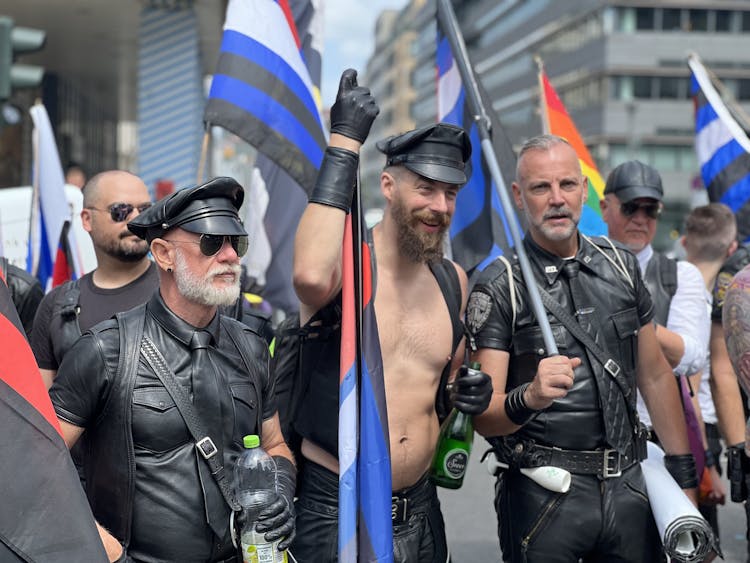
x=449, y=25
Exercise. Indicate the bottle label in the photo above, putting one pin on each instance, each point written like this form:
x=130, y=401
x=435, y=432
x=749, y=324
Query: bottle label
x=455, y=462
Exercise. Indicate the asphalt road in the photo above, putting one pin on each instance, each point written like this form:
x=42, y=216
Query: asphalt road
x=471, y=524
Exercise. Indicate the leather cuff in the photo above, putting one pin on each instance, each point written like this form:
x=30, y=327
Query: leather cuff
x=286, y=476
x=710, y=458
x=335, y=183
x=682, y=469
x=515, y=406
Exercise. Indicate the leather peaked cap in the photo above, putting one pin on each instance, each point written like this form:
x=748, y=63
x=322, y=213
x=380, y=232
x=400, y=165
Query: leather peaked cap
x=633, y=179
x=436, y=152
x=210, y=208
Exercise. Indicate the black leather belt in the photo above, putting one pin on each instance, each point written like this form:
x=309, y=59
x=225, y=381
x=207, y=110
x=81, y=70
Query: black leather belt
x=605, y=463
x=412, y=500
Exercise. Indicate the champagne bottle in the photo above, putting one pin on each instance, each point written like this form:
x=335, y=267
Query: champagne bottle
x=454, y=447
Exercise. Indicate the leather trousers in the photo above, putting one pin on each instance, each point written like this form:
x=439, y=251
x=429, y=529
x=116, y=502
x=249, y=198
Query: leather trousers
x=420, y=538
x=597, y=520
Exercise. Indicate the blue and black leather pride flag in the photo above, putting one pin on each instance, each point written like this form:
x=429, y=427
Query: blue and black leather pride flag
x=479, y=229
x=723, y=148
x=365, y=526
x=261, y=90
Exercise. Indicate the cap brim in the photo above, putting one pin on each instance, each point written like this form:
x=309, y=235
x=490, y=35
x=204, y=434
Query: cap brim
x=215, y=225
x=635, y=192
x=437, y=172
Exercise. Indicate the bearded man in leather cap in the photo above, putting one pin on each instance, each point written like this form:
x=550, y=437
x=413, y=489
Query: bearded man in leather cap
x=166, y=392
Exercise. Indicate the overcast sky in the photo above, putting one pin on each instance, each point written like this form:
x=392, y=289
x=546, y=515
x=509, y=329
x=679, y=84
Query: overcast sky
x=349, y=37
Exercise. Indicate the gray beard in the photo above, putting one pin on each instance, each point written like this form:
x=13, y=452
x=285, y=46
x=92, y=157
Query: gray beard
x=199, y=290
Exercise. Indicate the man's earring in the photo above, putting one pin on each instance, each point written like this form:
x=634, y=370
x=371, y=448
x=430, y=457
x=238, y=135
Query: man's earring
x=169, y=270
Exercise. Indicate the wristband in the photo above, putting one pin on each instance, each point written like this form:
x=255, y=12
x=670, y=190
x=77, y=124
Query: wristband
x=710, y=458
x=682, y=469
x=335, y=183
x=516, y=408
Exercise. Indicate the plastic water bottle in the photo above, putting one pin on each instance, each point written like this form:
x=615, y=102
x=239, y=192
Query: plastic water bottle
x=255, y=480
x=454, y=447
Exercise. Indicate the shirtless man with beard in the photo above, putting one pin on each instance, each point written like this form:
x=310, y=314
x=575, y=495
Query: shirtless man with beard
x=423, y=173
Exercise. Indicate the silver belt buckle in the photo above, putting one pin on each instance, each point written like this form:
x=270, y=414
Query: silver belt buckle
x=206, y=447
x=608, y=472
x=399, y=509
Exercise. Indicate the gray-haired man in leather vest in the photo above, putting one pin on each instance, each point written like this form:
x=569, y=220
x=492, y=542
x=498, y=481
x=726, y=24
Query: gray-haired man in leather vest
x=166, y=392
x=572, y=410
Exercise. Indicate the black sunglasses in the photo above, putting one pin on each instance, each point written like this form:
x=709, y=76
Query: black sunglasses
x=652, y=210
x=121, y=211
x=211, y=244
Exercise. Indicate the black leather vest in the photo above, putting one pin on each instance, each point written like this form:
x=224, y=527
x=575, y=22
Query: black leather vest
x=111, y=471
x=661, y=280
x=574, y=422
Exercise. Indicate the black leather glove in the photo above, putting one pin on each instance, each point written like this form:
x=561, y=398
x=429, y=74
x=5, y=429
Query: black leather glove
x=277, y=520
x=472, y=391
x=354, y=110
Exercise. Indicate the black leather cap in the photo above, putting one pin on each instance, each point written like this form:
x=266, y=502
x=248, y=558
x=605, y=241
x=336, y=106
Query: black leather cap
x=437, y=152
x=633, y=179
x=210, y=208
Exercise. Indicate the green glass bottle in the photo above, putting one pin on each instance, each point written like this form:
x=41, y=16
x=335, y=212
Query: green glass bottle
x=454, y=447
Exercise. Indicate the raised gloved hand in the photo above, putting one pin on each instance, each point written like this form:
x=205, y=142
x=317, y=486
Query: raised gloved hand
x=277, y=520
x=355, y=108
x=471, y=391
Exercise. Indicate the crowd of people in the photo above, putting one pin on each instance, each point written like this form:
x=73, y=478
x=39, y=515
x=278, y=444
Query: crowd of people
x=156, y=374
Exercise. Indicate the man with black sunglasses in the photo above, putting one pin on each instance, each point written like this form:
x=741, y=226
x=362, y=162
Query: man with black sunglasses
x=166, y=392
x=631, y=207
x=124, y=276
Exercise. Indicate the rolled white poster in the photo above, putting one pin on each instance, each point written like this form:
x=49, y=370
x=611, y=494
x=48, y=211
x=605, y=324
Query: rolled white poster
x=685, y=534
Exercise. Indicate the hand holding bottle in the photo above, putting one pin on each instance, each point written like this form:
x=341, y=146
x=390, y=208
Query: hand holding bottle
x=471, y=391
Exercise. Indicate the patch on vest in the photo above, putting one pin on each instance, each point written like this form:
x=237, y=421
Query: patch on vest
x=478, y=311
x=722, y=284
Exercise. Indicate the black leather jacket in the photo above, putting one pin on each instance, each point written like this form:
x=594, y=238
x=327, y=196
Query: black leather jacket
x=115, y=408
x=616, y=312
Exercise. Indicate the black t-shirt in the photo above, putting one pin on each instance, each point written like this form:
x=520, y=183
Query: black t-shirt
x=97, y=304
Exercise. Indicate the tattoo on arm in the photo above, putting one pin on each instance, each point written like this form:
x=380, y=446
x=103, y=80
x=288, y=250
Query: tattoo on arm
x=736, y=322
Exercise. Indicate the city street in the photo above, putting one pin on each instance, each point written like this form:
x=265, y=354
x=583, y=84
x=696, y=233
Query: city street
x=472, y=526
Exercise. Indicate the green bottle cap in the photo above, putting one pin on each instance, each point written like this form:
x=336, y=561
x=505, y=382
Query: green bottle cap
x=251, y=441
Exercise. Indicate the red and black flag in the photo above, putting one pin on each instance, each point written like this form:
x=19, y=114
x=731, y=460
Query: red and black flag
x=45, y=516
x=63, y=268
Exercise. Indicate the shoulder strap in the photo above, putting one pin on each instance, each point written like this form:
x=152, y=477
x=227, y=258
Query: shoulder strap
x=512, y=290
x=668, y=274
x=67, y=300
x=203, y=442
x=450, y=286
x=4, y=269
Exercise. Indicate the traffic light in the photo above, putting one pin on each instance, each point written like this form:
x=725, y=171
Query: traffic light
x=15, y=41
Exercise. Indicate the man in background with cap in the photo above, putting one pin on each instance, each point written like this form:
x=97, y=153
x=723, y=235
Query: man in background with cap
x=574, y=410
x=424, y=171
x=166, y=392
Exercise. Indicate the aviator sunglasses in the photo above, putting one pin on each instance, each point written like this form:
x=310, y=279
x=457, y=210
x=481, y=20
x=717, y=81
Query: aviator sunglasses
x=121, y=211
x=652, y=210
x=211, y=244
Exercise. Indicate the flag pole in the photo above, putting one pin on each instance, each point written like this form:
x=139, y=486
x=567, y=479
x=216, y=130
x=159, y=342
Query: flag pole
x=204, y=151
x=449, y=25
x=542, y=96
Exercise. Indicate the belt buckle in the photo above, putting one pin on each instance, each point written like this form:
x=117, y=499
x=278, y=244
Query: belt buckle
x=612, y=367
x=399, y=508
x=206, y=447
x=606, y=471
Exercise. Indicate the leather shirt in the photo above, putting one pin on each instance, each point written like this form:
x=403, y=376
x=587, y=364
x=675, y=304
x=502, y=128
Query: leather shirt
x=614, y=312
x=26, y=293
x=142, y=478
x=660, y=297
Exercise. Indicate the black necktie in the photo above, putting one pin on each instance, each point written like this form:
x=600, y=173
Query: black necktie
x=614, y=408
x=208, y=409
